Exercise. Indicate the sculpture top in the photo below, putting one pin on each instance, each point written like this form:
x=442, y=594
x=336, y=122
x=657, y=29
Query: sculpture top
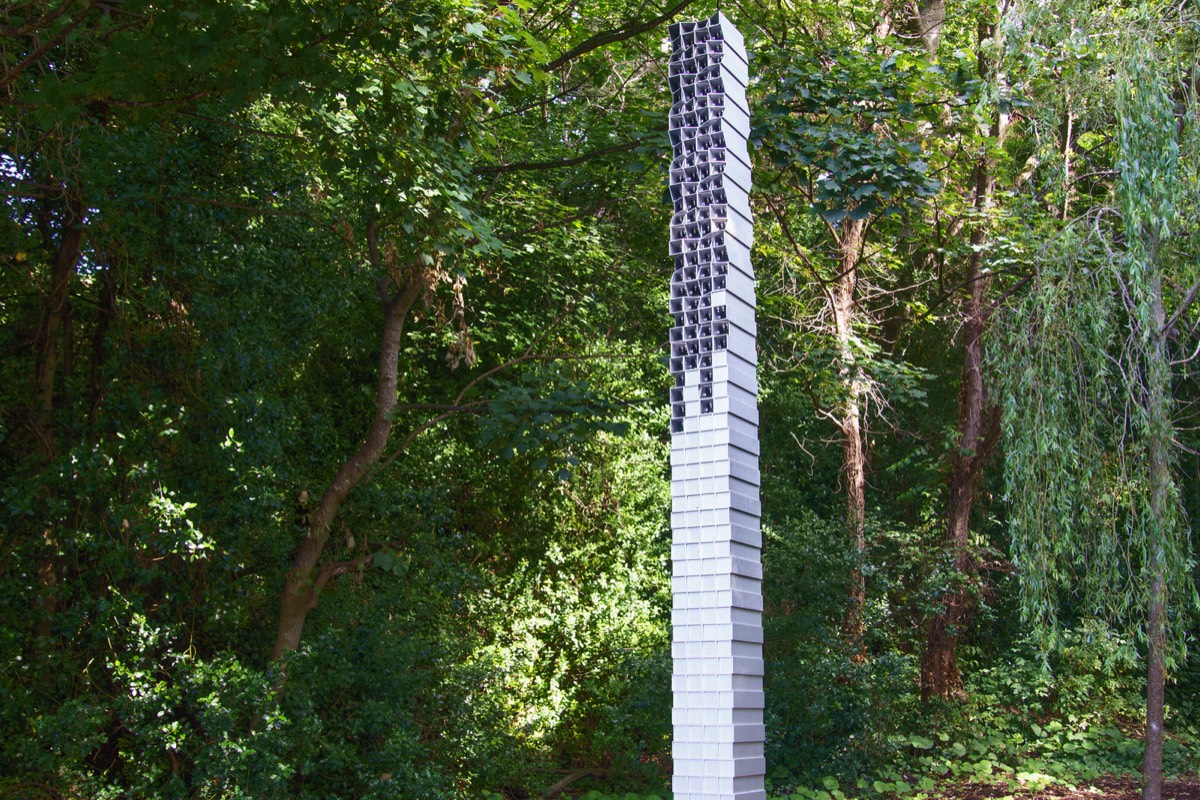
x=710, y=184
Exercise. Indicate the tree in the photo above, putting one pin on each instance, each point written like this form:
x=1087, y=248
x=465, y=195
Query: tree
x=846, y=159
x=1096, y=507
x=977, y=426
x=205, y=255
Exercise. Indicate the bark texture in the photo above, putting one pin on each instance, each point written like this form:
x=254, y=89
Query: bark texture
x=926, y=22
x=850, y=422
x=1161, y=498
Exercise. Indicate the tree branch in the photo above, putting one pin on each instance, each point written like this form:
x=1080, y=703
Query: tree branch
x=256, y=210
x=1187, y=302
x=603, y=206
x=457, y=406
x=32, y=25
x=51, y=43
x=493, y=169
x=241, y=128
x=328, y=572
x=626, y=31
x=472, y=407
x=579, y=774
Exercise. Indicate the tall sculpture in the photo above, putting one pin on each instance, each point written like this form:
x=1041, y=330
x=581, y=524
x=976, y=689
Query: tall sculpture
x=716, y=538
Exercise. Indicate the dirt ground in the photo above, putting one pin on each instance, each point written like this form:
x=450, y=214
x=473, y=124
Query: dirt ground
x=1114, y=787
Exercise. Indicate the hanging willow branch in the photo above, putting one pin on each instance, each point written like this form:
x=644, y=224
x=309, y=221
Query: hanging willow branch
x=1086, y=388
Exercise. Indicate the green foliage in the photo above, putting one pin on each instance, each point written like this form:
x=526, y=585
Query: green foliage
x=1085, y=386
x=539, y=411
x=825, y=118
x=825, y=711
x=1027, y=723
x=1060, y=477
x=251, y=174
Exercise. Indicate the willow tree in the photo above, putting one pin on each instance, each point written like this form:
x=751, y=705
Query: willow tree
x=1095, y=506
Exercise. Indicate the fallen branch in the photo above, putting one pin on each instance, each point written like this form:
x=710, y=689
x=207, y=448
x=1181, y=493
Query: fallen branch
x=577, y=775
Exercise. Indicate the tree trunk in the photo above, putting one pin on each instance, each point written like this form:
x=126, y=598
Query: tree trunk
x=41, y=418
x=978, y=425
x=1161, y=497
x=850, y=423
x=1067, y=134
x=940, y=676
x=926, y=22
x=303, y=585
x=62, y=267
x=1155, y=688
x=304, y=582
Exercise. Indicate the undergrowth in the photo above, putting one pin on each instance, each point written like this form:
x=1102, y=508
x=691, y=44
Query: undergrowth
x=1025, y=724
x=1021, y=760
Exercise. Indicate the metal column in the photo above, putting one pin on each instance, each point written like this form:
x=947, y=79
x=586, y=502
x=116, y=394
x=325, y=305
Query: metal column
x=716, y=544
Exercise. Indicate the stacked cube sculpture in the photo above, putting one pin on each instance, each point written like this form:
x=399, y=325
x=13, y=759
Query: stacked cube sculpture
x=716, y=545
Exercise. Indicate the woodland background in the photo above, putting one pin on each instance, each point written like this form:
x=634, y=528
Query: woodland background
x=333, y=396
